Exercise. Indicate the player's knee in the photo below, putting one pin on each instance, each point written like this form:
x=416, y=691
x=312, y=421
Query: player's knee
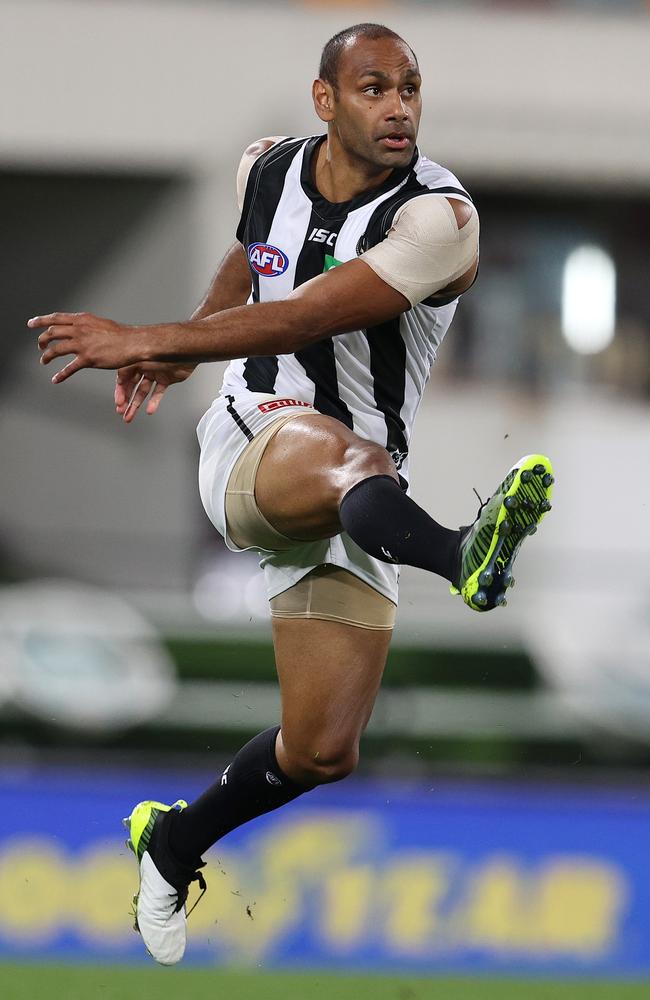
x=325, y=761
x=363, y=460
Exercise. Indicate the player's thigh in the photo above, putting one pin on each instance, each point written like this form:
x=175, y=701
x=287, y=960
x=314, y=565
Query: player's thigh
x=306, y=470
x=329, y=674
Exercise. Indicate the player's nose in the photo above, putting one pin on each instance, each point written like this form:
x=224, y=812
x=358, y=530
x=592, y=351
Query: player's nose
x=397, y=109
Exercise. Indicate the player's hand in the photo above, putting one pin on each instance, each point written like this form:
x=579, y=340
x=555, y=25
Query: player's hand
x=94, y=341
x=137, y=382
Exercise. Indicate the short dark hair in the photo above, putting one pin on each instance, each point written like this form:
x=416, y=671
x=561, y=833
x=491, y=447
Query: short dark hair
x=331, y=55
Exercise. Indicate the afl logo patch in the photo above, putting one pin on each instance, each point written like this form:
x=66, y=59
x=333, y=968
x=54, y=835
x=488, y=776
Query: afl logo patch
x=267, y=260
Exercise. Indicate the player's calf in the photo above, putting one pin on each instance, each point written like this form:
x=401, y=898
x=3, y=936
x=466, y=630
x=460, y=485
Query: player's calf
x=477, y=559
x=169, y=841
x=387, y=524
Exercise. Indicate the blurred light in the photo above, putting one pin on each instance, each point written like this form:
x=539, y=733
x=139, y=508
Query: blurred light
x=588, y=300
x=231, y=590
x=217, y=597
x=82, y=657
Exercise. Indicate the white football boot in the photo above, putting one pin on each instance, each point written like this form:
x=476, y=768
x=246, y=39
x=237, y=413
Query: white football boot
x=160, y=903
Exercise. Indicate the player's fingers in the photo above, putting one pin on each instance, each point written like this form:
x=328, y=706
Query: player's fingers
x=54, y=333
x=64, y=319
x=141, y=383
x=156, y=396
x=57, y=349
x=122, y=405
x=119, y=393
x=139, y=395
x=125, y=383
x=72, y=366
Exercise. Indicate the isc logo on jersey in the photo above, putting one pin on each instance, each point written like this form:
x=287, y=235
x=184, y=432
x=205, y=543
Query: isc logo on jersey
x=325, y=236
x=267, y=260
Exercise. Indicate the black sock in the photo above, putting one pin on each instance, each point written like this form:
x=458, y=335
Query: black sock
x=385, y=523
x=251, y=785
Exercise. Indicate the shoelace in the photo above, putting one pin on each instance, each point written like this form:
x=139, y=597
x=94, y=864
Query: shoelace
x=481, y=501
x=182, y=897
x=464, y=528
x=198, y=877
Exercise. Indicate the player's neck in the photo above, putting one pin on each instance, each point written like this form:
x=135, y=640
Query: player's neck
x=338, y=177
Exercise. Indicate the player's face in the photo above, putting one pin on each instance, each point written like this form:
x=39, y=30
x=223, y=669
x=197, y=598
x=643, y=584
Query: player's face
x=377, y=104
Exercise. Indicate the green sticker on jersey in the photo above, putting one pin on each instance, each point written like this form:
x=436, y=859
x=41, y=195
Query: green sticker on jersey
x=331, y=262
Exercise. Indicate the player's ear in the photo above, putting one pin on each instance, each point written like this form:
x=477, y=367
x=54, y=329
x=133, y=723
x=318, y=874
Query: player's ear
x=323, y=95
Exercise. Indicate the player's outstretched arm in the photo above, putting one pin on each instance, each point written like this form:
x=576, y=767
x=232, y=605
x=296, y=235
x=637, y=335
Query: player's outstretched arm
x=426, y=249
x=230, y=286
x=348, y=297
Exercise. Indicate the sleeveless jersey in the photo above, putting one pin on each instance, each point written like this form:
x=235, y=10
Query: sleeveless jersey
x=373, y=379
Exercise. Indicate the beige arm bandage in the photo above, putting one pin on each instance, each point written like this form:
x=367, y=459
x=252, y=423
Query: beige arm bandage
x=247, y=161
x=425, y=250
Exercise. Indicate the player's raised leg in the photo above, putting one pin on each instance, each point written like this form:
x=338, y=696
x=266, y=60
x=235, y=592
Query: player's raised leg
x=317, y=478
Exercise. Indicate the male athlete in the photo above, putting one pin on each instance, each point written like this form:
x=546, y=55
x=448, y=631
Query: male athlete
x=351, y=253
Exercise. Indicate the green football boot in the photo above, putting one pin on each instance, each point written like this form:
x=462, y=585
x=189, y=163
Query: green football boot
x=159, y=904
x=489, y=547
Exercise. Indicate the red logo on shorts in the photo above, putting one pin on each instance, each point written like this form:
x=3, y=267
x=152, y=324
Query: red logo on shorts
x=278, y=404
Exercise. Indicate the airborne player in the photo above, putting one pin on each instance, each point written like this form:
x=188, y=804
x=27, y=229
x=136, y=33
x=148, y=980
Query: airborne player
x=351, y=253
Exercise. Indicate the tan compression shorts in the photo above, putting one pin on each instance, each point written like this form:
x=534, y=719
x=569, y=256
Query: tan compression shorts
x=327, y=592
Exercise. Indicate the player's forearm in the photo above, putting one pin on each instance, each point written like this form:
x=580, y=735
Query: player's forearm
x=349, y=297
x=245, y=331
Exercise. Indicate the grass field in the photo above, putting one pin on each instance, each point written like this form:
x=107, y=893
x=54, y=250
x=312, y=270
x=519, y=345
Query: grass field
x=23, y=982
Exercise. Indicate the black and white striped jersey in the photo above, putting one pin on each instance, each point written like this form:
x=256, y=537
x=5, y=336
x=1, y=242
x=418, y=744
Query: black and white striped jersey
x=371, y=379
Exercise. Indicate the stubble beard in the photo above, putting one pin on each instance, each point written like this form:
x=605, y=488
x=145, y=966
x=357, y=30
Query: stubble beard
x=369, y=153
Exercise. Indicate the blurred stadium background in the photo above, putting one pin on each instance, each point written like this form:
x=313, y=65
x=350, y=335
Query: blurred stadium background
x=498, y=824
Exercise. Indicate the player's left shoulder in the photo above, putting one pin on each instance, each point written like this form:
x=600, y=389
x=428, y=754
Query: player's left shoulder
x=441, y=179
x=435, y=179
x=436, y=220
x=463, y=213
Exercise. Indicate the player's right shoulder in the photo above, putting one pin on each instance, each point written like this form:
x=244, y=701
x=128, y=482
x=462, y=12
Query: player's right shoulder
x=251, y=154
x=261, y=145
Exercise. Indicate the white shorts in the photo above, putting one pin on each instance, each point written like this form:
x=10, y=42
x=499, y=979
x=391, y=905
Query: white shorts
x=223, y=433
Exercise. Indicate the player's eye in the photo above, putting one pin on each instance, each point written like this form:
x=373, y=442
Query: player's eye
x=374, y=90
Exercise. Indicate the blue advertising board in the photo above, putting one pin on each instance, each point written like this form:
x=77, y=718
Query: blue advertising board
x=387, y=876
